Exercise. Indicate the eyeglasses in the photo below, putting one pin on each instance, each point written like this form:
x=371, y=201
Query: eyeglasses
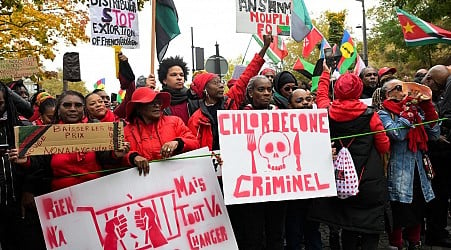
x=301, y=99
x=77, y=105
x=397, y=88
x=270, y=76
x=292, y=88
x=156, y=102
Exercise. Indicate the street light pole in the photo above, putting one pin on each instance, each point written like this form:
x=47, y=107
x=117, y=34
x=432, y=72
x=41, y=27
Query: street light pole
x=365, y=43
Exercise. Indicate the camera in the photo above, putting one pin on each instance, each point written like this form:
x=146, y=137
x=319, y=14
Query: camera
x=330, y=62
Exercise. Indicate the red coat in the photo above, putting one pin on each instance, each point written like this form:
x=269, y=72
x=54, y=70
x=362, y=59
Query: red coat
x=200, y=124
x=147, y=140
x=347, y=110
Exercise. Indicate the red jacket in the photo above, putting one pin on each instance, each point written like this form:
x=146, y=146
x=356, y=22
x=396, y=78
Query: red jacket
x=347, y=110
x=200, y=122
x=110, y=117
x=147, y=140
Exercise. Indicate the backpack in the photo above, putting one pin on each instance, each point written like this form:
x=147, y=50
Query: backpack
x=346, y=178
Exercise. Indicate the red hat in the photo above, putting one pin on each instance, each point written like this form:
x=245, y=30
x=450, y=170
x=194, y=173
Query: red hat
x=348, y=86
x=264, y=71
x=147, y=95
x=386, y=70
x=199, y=83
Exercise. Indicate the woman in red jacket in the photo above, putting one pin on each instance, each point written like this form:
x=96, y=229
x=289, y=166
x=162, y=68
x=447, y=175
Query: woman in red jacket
x=209, y=88
x=151, y=134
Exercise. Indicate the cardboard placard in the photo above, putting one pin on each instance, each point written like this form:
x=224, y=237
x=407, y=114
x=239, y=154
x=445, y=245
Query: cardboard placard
x=414, y=89
x=178, y=205
x=114, y=22
x=18, y=68
x=264, y=17
x=68, y=138
x=272, y=155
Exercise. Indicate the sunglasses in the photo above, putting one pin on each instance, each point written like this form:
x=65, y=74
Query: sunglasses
x=288, y=88
x=397, y=88
x=301, y=99
x=77, y=105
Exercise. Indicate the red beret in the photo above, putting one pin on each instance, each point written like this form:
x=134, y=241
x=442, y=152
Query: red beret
x=199, y=83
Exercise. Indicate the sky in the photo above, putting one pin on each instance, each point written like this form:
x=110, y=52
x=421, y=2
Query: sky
x=212, y=21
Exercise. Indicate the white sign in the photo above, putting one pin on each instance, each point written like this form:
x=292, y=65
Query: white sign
x=178, y=205
x=272, y=155
x=114, y=22
x=263, y=17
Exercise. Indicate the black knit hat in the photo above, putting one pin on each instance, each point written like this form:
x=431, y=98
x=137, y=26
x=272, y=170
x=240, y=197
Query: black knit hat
x=283, y=78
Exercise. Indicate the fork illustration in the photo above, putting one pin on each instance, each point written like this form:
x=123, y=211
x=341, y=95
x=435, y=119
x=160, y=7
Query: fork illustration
x=252, y=146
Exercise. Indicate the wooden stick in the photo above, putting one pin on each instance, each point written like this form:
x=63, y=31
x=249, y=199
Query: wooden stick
x=153, y=37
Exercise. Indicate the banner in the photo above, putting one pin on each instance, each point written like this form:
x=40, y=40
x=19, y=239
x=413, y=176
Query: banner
x=114, y=22
x=272, y=155
x=68, y=138
x=263, y=17
x=18, y=68
x=178, y=205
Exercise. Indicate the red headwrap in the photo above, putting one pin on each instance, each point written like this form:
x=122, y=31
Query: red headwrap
x=267, y=70
x=199, y=83
x=348, y=86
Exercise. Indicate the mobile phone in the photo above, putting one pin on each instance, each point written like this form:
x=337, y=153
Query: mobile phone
x=4, y=146
x=329, y=57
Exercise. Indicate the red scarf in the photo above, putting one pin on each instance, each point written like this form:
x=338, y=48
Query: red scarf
x=417, y=135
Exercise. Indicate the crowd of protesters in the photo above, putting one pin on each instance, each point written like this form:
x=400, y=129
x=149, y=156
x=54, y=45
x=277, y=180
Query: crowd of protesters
x=399, y=194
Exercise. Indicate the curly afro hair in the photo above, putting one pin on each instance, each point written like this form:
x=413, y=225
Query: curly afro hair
x=168, y=63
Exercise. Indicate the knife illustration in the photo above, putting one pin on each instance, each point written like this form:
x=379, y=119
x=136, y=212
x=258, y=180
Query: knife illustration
x=297, y=151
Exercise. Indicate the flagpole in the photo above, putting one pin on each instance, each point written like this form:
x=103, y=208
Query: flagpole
x=245, y=53
x=153, y=37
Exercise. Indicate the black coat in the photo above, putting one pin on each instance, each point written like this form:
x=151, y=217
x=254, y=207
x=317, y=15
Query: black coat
x=365, y=211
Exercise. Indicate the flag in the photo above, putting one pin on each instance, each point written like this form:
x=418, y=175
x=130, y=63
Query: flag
x=324, y=44
x=301, y=24
x=100, y=84
x=418, y=32
x=166, y=25
x=304, y=67
x=310, y=41
x=120, y=96
x=276, y=51
x=359, y=65
x=348, y=53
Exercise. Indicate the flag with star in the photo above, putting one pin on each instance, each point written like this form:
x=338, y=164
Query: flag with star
x=348, y=53
x=418, y=32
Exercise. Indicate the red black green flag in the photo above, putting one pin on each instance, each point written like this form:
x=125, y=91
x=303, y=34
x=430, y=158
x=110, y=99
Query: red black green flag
x=166, y=25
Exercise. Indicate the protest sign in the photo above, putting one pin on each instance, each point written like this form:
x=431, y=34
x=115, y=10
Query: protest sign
x=114, y=22
x=263, y=17
x=178, y=205
x=68, y=138
x=18, y=68
x=272, y=155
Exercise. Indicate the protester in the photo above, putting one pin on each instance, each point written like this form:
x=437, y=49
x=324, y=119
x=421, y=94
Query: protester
x=19, y=88
x=210, y=90
x=96, y=109
x=172, y=74
x=46, y=107
x=370, y=81
x=20, y=101
x=438, y=78
x=151, y=134
x=361, y=217
x=269, y=73
x=64, y=170
x=298, y=229
x=10, y=189
x=408, y=184
x=419, y=75
x=284, y=84
x=386, y=71
x=105, y=97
